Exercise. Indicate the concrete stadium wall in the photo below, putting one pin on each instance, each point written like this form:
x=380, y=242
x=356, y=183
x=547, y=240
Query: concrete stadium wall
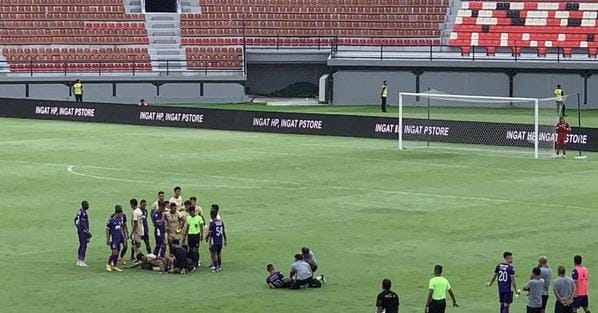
x=266, y=78
x=358, y=87
x=132, y=92
x=363, y=87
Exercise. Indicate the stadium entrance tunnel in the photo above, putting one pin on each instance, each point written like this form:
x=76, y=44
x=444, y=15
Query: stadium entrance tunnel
x=164, y=6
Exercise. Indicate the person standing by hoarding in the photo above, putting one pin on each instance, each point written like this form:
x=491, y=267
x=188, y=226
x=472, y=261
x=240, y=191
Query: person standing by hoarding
x=383, y=96
x=78, y=90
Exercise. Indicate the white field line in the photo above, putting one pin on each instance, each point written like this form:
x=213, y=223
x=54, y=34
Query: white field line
x=71, y=169
x=318, y=186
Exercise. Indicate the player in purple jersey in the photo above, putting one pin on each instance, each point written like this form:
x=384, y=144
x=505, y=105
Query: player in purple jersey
x=276, y=279
x=125, y=245
x=115, y=236
x=145, y=237
x=160, y=229
x=216, y=237
x=504, y=274
x=82, y=225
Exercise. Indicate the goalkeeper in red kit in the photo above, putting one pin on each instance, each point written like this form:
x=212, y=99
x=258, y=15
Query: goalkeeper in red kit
x=562, y=130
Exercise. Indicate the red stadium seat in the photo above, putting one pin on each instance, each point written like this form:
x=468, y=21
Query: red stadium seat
x=536, y=23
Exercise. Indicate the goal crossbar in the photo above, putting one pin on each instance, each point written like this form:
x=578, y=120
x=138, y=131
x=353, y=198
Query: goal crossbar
x=535, y=101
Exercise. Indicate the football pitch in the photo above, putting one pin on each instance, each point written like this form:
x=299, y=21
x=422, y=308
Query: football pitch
x=367, y=211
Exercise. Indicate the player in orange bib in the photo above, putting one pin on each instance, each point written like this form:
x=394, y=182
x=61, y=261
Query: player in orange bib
x=580, y=276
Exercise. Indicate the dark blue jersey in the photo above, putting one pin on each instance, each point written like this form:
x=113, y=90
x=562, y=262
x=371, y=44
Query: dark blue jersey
x=144, y=220
x=82, y=220
x=275, y=279
x=216, y=232
x=503, y=272
x=159, y=225
x=114, y=226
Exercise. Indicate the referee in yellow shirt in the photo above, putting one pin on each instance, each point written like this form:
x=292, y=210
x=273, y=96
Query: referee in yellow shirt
x=194, y=232
x=438, y=288
x=78, y=90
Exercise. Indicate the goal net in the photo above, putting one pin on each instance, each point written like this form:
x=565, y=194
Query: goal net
x=434, y=119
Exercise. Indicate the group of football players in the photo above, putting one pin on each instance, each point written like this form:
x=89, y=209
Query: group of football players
x=179, y=227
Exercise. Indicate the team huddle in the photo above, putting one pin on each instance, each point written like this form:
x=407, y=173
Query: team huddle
x=179, y=227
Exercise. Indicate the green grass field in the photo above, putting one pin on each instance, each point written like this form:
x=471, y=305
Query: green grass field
x=368, y=211
x=504, y=115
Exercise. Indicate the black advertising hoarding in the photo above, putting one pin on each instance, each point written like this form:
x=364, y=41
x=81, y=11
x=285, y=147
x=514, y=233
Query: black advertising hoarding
x=466, y=132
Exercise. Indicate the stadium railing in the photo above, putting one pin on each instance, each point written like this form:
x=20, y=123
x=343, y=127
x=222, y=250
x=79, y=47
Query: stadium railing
x=41, y=67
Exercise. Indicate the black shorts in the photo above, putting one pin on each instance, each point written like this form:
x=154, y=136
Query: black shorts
x=505, y=297
x=182, y=264
x=310, y=282
x=560, y=308
x=437, y=306
x=580, y=302
x=216, y=248
x=534, y=310
x=544, y=301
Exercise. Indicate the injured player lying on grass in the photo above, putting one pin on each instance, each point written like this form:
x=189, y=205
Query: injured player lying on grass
x=151, y=262
x=177, y=263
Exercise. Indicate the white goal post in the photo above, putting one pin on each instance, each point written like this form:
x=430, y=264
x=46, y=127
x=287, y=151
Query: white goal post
x=483, y=106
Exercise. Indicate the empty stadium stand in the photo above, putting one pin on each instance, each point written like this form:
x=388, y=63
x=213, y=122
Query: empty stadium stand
x=315, y=22
x=69, y=36
x=72, y=35
x=545, y=27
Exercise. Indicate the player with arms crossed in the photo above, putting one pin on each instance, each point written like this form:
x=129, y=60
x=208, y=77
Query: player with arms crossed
x=216, y=236
x=562, y=130
x=504, y=273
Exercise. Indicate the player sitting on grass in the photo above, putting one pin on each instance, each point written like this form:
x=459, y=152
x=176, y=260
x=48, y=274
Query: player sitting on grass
x=115, y=237
x=216, y=237
x=276, y=279
x=303, y=276
x=505, y=272
x=181, y=263
x=562, y=130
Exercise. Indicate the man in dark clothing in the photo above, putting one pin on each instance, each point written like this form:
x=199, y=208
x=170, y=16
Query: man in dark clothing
x=388, y=300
